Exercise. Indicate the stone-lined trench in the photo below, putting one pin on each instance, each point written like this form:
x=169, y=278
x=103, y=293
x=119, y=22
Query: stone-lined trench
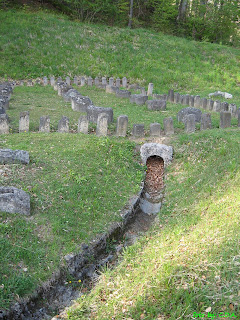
x=54, y=296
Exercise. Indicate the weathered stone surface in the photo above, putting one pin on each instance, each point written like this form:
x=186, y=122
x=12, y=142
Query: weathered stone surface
x=206, y=122
x=4, y=126
x=24, y=121
x=160, y=96
x=52, y=81
x=155, y=149
x=90, y=81
x=123, y=94
x=171, y=95
x=13, y=200
x=138, y=130
x=186, y=111
x=104, y=81
x=155, y=129
x=82, y=81
x=45, y=81
x=134, y=86
x=111, y=81
x=13, y=156
x=197, y=101
x=217, y=106
x=6, y=89
x=150, y=89
x=156, y=104
x=210, y=104
x=176, y=97
x=93, y=112
x=63, y=88
x=75, y=80
x=96, y=81
x=4, y=102
x=221, y=94
x=118, y=82
x=80, y=103
x=38, y=81
x=2, y=110
x=122, y=125
x=21, y=83
x=111, y=89
x=224, y=106
x=204, y=103
x=58, y=84
x=68, y=81
x=138, y=99
x=225, y=119
x=124, y=82
x=231, y=108
x=29, y=83
x=63, y=125
x=83, y=124
x=44, y=124
x=191, y=101
x=102, y=124
x=168, y=126
x=71, y=93
x=190, y=123
x=186, y=99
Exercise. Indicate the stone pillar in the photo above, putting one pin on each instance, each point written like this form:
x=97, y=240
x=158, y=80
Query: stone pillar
x=21, y=83
x=68, y=81
x=155, y=129
x=96, y=81
x=111, y=81
x=4, y=126
x=118, y=82
x=102, y=125
x=90, y=81
x=190, y=123
x=204, y=103
x=44, y=124
x=176, y=97
x=104, y=81
x=24, y=121
x=225, y=119
x=52, y=81
x=150, y=89
x=63, y=125
x=168, y=126
x=209, y=104
x=171, y=95
x=197, y=101
x=83, y=124
x=124, y=82
x=186, y=99
x=224, y=106
x=45, y=81
x=216, y=106
x=206, y=122
x=138, y=130
x=191, y=101
x=143, y=91
x=59, y=79
x=122, y=125
x=29, y=83
x=75, y=80
x=233, y=109
x=82, y=81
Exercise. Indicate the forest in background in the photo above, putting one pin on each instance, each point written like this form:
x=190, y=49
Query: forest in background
x=202, y=20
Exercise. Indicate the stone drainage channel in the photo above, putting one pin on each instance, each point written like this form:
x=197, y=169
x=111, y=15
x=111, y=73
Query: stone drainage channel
x=55, y=295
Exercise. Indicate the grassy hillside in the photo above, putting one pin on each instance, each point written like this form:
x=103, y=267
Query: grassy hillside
x=39, y=44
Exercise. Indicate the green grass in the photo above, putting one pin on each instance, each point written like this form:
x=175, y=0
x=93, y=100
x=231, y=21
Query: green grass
x=35, y=44
x=192, y=254
x=78, y=184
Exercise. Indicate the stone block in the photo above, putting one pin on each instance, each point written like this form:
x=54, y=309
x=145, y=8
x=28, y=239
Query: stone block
x=191, y=101
x=231, y=108
x=138, y=130
x=68, y=81
x=82, y=81
x=93, y=112
x=29, y=83
x=75, y=80
x=13, y=200
x=224, y=106
x=197, y=102
x=206, y=122
x=118, y=82
x=90, y=81
x=204, y=103
x=80, y=103
x=150, y=89
x=156, y=105
x=104, y=81
x=156, y=149
x=123, y=94
x=210, y=104
x=143, y=91
x=14, y=156
x=155, y=129
x=176, y=97
x=171, y=95
x=4, y=102
x=111, y=89
x=168, y=126
x=111, y=81
x=44, y=124
x=2, y=110
x=4, y=126
x=122, y=125
x=124, y=82
x=63, y=125
x=45, y=81
x=225, y=119
x=190, y=123
x=217, y=106
x=138, y=99
x=96, y=81
x=186, y=111
x=52, y=81
x=70, y=94
x=186, y=99
x=24, y=121
x=102, y=125
x=83, y=125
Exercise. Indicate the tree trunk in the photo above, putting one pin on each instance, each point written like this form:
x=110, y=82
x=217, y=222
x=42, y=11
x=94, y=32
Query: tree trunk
x=182, y=10
x=130, y=14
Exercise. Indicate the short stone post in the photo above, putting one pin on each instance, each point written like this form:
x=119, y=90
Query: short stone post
x=150, y=89
x=209, y=104
x=82, y=81
x=21, y=83
x=24, y=121
x=29, y=83
x=111, y=81
x=191, y=101
x=44, y=124
x=75, y=80
x=233, y=109
x=176, y=97
x=83, y=125
x=102, y=125
x=197, y=101
x=68, y=81
x=52, y=81
x=4, y=126
x=168, y=126
x=186, y=99
x=171, y=95
x=225, y=119
x=124, y=82
x=90, y=81
x=104, y=81
x=138, y=130
x=63, y=125
x=45, y=81
x=190, y=123
x=118, y=82
x=155, y=129
x=204, y=103
x=216, y=106
x=224, y=106
x=122, y=125
x=206, y=122
x=96, y=81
